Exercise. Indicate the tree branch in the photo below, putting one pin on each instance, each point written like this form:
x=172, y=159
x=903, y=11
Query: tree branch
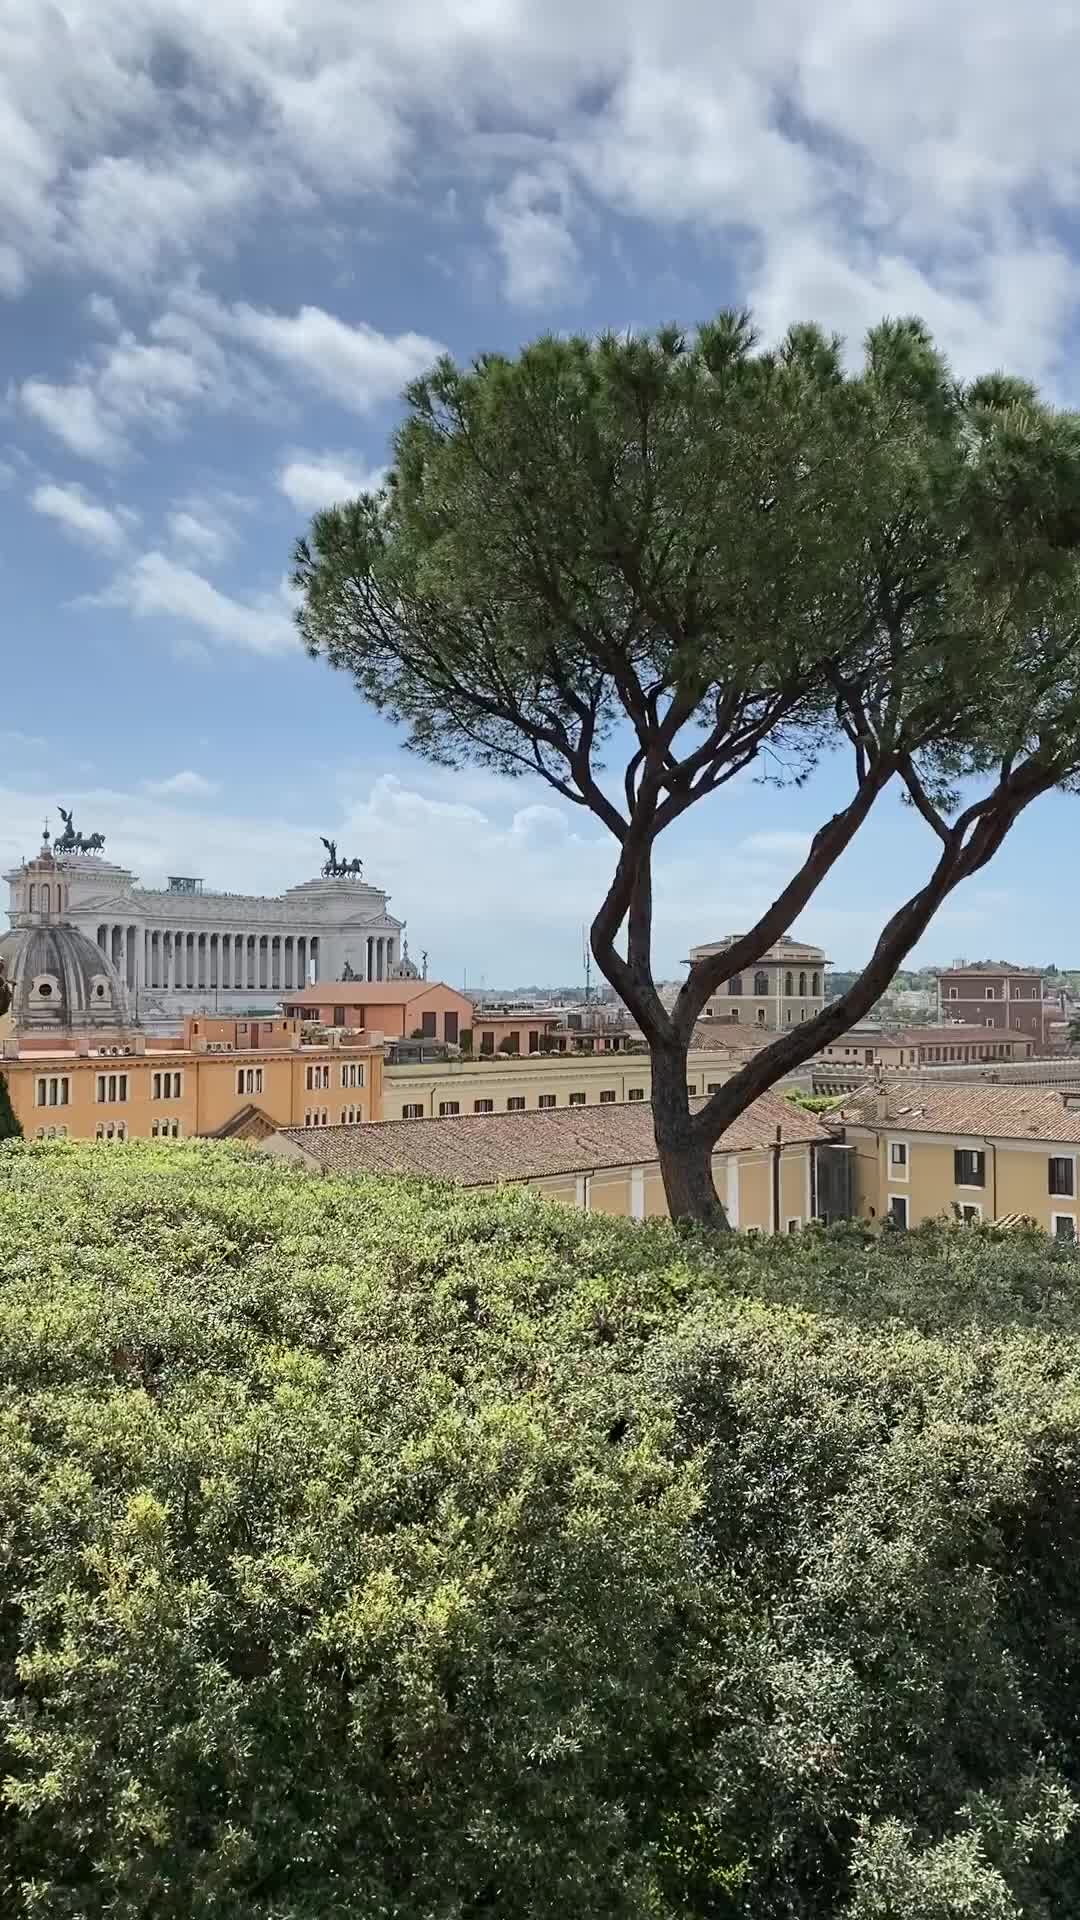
x=825, y=849
x=957, y=862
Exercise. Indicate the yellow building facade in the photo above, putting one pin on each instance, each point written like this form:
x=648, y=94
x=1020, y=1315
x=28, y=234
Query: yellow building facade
x=175, y=1094
x=966, y=1152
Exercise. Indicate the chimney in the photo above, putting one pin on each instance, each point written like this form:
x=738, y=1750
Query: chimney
x=881, y=1103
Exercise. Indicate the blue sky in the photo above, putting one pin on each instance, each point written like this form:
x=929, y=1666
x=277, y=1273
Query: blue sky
x=228, y=236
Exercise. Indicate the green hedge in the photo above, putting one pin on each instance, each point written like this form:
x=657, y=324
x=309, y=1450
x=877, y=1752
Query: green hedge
x=369, y=1549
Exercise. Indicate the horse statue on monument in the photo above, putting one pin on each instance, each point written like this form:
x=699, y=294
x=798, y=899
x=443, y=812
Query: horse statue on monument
x=333, y=868
x=71, y=842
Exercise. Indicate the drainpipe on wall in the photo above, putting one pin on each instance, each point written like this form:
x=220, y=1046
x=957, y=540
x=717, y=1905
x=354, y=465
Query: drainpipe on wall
x=778, y=1149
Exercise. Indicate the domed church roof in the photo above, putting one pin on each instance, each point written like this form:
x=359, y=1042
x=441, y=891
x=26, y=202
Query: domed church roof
x=60, y=980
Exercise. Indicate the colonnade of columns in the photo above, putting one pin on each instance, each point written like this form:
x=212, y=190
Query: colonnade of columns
x=201, y=961
x=381, y=956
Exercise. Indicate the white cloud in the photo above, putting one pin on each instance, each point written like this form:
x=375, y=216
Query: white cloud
x=355, y=365
x=130, y=214
x=198, y=355
x=72, y=412
x=138, y=138
x=203, y=538
x=155, y=587
x=530, y=224
x=103, y=311
x=185, y=785
x=778, y=845
x=82, y=517
x=312, y=481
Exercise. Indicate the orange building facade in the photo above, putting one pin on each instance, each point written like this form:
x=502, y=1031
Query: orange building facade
x=176, y=1091
x=397, y=1008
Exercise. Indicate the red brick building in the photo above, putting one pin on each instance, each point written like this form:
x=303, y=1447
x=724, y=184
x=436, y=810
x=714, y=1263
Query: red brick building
x=1009, y=998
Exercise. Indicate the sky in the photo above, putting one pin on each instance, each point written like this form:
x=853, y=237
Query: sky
x=230, y=235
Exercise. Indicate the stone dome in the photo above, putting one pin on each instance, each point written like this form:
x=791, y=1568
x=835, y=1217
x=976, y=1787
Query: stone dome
x=61, y=980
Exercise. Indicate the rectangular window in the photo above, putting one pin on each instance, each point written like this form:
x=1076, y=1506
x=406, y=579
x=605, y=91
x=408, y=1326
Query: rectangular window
x=793, y=1226
x=483, y=1106
x=638, y=1093
x=576, y=1100
x=487, y=1042
x=352, y=1073
x=546, y=1100
x=691, y=1089
x=898, y=1156
x=448, y=1107
x=53, y=1090
x=969, y=1168
x=970, y=1213
x=166, y=1086
x=412, y=1111
x=450, y=1028
x=110, y=1088
x=427, y=1025
x=340, y=1014
x=607, y=1097
x=516, y=1103
x=1062, y=1175
x=898, y=1209
x=1063, y=1227
x=249, y=1079
x=351, y=1116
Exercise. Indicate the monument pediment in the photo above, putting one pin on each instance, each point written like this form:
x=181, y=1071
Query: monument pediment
x=117, y=903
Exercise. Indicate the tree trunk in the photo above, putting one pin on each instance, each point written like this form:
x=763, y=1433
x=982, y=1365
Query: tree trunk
x=685, y=1157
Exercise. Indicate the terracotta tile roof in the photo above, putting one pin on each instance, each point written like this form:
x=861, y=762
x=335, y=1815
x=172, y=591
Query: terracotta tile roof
x=956, y=1034
x=1001, y=1113
x=479, y=1149
x=360, y=993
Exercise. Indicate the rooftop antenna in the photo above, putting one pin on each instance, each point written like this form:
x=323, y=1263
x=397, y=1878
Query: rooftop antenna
x=587, y=952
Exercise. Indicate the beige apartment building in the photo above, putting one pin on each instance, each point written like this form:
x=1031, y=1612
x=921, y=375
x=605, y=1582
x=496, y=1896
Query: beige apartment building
x=968, y=1152
x=786, y=986
x=539, y=1082
x=926, y=1047
x=598, y=1159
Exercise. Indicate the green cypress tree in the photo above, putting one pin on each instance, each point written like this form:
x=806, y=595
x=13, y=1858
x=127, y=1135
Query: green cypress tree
x=9, y=1126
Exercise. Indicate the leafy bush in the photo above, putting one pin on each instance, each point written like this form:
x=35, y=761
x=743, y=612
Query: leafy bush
x=369, y=1549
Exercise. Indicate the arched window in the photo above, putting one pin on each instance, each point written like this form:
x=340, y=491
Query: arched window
x=45, y=898
x=761, y=984
x=33, y=896
x=802, y=986
x=789, y=983
x=816, y=988
x=734, y=985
